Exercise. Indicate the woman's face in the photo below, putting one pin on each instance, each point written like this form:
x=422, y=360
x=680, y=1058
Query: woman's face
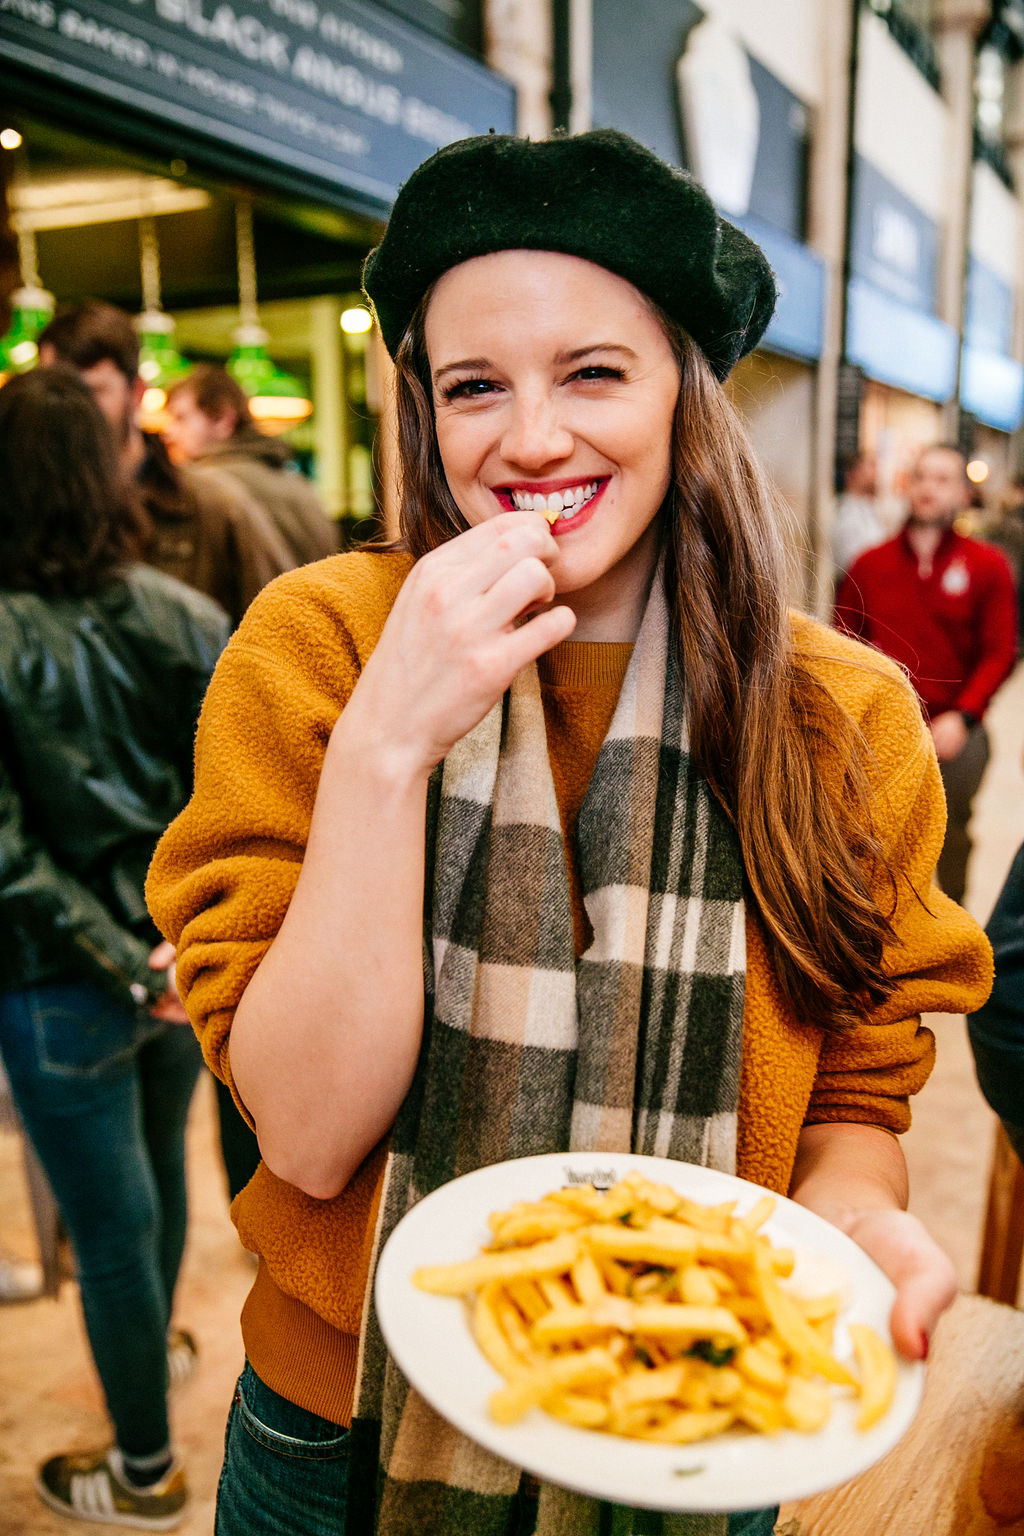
x=555, y=388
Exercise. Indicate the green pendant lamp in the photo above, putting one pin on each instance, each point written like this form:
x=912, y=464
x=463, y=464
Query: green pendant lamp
x=31, y=311
x=277, y=399
x=160, y=362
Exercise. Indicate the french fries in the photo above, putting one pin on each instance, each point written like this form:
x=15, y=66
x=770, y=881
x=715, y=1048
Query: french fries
x=638, y=1312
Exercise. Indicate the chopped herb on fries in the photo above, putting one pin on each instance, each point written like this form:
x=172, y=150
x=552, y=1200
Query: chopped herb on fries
x=639, y=1312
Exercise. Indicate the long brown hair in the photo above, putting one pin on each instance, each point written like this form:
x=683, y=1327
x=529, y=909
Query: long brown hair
x=769, y=738
x=70, y=519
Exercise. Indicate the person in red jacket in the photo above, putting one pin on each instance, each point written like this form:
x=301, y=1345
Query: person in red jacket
x=944, y=606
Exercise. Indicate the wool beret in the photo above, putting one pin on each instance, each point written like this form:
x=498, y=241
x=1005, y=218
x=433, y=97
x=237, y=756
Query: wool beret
x=599, y=195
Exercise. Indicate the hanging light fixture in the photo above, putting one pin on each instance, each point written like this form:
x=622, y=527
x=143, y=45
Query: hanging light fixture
x=160, y=362
x=31, y=310
x=277, y=399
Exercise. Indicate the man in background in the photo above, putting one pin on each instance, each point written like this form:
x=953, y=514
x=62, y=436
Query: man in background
x=943, y=605
x=209, y=425
x=205, y=530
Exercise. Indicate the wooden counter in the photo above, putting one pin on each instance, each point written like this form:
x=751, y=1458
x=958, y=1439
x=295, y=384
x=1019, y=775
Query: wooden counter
x=959, y=1470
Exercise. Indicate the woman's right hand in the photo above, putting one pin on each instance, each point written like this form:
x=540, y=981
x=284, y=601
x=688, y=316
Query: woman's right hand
x=452, y=644
x=346, y=969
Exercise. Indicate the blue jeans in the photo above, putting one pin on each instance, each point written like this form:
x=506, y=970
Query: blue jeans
x=103, y=1092
x=286, y=1471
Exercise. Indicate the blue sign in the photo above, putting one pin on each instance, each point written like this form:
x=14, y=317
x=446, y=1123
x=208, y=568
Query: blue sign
x=992, y=388
x=898, y=345
x=798, y=323
x=333, y=88
x=989, y=318
x=893, y=244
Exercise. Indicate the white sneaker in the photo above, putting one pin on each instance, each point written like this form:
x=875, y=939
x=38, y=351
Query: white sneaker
x=92, y=1486
x=182, y=1357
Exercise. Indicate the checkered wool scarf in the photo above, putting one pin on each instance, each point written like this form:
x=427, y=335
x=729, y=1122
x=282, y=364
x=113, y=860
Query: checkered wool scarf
x=526, y=1050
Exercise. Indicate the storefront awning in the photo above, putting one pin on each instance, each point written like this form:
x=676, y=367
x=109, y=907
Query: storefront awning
x=899, y=345
x=341, y=94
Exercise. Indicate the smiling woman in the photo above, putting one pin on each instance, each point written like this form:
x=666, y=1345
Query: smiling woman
x=548, y=828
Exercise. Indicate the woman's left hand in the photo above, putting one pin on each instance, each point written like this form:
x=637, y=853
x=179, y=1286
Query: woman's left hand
x=855, y=1177
x=923, y=1275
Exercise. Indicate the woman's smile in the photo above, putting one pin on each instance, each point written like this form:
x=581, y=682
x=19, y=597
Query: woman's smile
x=560, y=504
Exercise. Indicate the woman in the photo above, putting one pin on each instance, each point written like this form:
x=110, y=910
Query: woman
x=103, y=666
x=585, y=527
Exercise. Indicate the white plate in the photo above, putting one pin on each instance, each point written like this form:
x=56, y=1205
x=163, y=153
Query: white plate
x=430, y=1338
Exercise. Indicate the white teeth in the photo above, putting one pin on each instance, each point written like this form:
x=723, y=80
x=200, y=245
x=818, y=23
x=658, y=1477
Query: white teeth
x=555, y=505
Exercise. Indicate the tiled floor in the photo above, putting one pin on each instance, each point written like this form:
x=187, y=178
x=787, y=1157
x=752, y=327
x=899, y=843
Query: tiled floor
x=48, y=1398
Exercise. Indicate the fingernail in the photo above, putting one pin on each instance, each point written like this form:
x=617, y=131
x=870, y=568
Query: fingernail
x=924, y=1346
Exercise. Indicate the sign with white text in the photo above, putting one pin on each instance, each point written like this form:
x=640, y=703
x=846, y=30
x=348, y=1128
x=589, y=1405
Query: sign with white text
x=336, y=89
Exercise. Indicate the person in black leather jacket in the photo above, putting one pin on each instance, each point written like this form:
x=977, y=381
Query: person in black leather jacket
x=103, y=666
x=997, y=1030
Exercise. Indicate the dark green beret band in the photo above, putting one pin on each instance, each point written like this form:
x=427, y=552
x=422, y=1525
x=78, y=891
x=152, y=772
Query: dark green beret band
x=598, y=195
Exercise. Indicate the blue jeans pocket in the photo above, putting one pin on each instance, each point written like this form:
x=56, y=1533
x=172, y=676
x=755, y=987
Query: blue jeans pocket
x=332, y=1448
x=285, y=1469
x=80, y=1032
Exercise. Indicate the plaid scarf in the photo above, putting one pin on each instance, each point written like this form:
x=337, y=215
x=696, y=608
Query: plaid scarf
x=526, y=1049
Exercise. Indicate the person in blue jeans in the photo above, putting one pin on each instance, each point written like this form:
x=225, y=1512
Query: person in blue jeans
x=103, y=667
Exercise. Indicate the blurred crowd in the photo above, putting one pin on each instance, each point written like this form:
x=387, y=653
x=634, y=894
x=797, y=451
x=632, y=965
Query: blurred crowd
x=128, y=557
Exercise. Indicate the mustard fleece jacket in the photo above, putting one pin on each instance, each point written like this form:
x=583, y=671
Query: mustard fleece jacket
x=224, y=873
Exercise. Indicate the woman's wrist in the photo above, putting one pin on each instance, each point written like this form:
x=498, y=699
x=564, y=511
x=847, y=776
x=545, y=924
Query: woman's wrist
x=362, y=745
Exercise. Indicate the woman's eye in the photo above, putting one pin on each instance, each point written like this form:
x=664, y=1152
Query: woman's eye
x=468, y=389
x=598, y=371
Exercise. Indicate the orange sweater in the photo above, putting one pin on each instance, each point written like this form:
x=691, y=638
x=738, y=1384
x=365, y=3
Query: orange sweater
x=224, y=873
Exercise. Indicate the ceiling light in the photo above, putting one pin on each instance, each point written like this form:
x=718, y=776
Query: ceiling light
x=277, y=400
x=10, y=138
x=160, y=362
x=355, y=321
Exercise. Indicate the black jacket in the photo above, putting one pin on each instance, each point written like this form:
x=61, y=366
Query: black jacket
x=997, y=1029
x=99, y=698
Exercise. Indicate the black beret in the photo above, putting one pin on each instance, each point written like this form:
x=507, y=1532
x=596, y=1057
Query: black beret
x=599, y=195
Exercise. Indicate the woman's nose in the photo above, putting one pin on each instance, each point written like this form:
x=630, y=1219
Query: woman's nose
x=535, y=434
